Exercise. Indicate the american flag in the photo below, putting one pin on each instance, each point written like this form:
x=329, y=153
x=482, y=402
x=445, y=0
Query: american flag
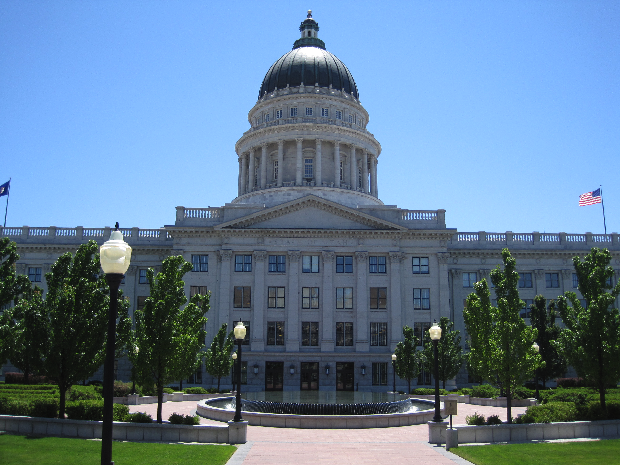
x=590, y=198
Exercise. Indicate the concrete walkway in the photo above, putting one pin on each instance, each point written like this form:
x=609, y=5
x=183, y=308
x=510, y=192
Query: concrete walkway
x=289, y=446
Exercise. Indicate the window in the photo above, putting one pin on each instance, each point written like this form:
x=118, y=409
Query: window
x=246, y=339
x=344, y=334
x=193, y=290
x=275, y=333
x=309, y=297
x=344, y=263
x=267, y=117
x=379, y=373
x=309, y=333
x=141, y=301
x=308, y=111
x=34, y=274
x=338, y=114
x=243, y=262
x=142, y=279
x=277, y=263
x=242, y=297
x=308, y=171
x=196, y=378
x=200, y=262
x=378, y=334
x=575, y=281
x=244, y=373
x=310, y=263
x=378, y=297
x=608, y=282
x=469, y=279
x=325, y=112
x=525, y=279
x=344, y=297
x=275, y=170
x=526, y=311
x=278, y=114
x=419, y=265
x=341, y=170
x=552, y=280
x=350, y=118
x=293, y=112
x=419, y=330
x=275, y=297
x=421, y=299
x=376, y=264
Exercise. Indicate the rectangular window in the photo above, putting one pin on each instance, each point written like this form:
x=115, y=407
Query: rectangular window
x=469, y=279
x=275, y=297
x=309, y=333
x=325, y=112
x=378, y=334
x=350, y=118
x=552, y=280
x=378, y=297
x=344, y=264
x=242, y=297
x=244, y=373
x=419, y=265
x=310, y=263
x=275, y=333
x=275, y=170
x=419, y=330
x=338, y=114
x=575, y=281
x=344, y=297
x=421, y=299
x=309, y=297
x=193, y=290
x=142, y=277
x=341, y=171
x=243, y=262
x=141, y=301
x=34, y=274
x=379, y=373
x=344, y=334
x=277, y=263
x=200, y=263
x=525, y=280
x=308, y=111
x=308, y=171
x=246, y=339
x=376, y=264
x=525, y=311
x=267, y=117
x=278, y=114
x=293, y=112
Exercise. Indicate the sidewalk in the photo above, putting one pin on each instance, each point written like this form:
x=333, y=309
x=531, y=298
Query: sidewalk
x=289, y=446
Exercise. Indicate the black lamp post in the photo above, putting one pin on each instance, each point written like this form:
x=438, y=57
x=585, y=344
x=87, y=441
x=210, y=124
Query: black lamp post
x=536, y=348
x=239, y=336
x=435, y=333
x=115, y=255
x=234, y=357
x=394, y=373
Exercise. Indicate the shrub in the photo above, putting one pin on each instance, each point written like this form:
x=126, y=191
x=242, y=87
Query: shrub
x=579, y=396
x=46, y=407
x=178, y=419
x=494, y=420
x=139, y=417
x=464, y=391
x=195, y=390
x=93, y=410
x=475, y=419
x=522, y=392
x=571, y=382
x=428, y=391
x=168, y=390
x=83, y=393
x=551, y=412
x=484, y=390
x=122, y=389
x=592, y=411
x=18, y=378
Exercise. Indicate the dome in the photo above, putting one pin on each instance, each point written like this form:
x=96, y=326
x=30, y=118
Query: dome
x=309, y=64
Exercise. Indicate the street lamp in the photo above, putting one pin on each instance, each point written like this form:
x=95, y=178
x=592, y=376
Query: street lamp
x=234, y=357
x=435, y=333
x=239, y=336
x=115, y=255
x=394, y=373
x=536, y=348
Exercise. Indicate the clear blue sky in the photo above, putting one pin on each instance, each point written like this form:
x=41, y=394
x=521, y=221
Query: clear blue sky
x=502, y=113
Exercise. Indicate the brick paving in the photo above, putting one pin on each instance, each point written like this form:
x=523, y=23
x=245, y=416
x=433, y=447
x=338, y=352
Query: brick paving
x=290, y=446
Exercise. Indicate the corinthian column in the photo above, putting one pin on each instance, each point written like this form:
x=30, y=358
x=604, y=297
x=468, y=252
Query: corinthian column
x=244, y=175
x=280, y=162
x=299, y=162
x=353, y=166
x=365, y=172
x=337, y=164
x=319, y=174
x=263, y=167
x=251, y=172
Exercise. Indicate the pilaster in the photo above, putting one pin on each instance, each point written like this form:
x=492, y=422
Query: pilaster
x=258, y=301
x=263, y=166
x=223, y=272
x=292, y=302
x=395, y=298
x=327, y=303
x=361, y=304
x=280, y=162
x=319, y=164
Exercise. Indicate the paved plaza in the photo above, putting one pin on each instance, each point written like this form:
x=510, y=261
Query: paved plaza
x=290, y=446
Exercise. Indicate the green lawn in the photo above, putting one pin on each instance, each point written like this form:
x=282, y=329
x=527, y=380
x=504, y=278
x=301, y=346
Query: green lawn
x=582, y=453
x=22, y=450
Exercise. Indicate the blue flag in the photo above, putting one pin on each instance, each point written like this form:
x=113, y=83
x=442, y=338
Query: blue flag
x=4, y=188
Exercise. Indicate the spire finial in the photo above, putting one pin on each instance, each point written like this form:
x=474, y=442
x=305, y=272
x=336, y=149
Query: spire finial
x=310, y=14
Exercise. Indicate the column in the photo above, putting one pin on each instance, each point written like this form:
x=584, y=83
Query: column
x=251, y=172
x=244, y=175
x=336, y=164
x=353, y=168
x=280, y=162
x=222, y=304
x=362, y=303
x=328, y=304
x=319, y=166
x=263, y=167
x=365, y=172
x=373, y=175
x=443, y=286
x=299, y=162
x=395, y=300
x=291, y=327
x=257, y=329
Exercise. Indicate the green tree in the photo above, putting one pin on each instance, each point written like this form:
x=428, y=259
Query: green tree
x=590, y=340
x=408, y=358
x=169, y=335
x=218, y=360
x=542, y=319
x=449, y=351
x=500, y=343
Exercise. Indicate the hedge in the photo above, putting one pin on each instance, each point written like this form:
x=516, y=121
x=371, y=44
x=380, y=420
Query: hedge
x=93, y=410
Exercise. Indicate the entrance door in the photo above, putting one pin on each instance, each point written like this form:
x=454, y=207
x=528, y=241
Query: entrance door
x=345, y=376
x=309, y=376
x=274, y=376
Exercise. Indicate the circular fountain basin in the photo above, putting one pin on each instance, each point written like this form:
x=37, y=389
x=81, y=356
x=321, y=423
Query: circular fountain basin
x=321, y=409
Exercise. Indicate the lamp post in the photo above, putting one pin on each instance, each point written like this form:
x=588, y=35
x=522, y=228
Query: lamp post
x=435, y=333
x=234, y=357
x=115, y=256
x=394, y=373
x=536, y=348
x=239, y=335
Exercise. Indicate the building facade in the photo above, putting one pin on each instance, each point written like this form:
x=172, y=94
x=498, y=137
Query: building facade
x=321, y=272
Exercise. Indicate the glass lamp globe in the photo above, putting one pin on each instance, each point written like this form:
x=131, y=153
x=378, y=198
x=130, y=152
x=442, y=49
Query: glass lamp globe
x=115, y=254
x=239, y=331
x=435, y=332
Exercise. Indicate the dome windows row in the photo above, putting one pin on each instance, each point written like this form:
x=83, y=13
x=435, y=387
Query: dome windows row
x=329, y=113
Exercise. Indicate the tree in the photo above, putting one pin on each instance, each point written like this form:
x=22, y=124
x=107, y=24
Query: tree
x=168, y=337
x=590, y=340
x=500, y=343
x=542, y=318
x=218, y=360
x=450, y=353
x=76, y=312
x=408, y=358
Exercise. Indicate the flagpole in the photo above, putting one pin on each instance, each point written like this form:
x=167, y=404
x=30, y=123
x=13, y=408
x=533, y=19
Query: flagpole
x=7, y=203
x=602, y=204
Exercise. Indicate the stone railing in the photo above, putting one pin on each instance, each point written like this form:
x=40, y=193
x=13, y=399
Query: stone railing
x=509, y=239
x=79, y=234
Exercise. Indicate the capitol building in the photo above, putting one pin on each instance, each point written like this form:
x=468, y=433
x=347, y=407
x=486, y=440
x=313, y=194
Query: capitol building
x=323, y=274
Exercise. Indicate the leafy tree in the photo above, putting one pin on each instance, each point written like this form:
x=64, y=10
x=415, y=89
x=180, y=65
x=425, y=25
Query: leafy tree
x=408, y=358
x=590, y=340
x=542, y=318
x=168, y=337
x=500, y=342
x=218, y=360
x=449, y=351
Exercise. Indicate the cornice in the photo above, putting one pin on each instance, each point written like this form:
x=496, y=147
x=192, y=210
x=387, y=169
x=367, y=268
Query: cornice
x=523, y=254
x=64, y=248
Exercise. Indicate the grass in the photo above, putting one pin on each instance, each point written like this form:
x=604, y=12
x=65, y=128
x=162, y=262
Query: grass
x=25, y=450
x=559, y=453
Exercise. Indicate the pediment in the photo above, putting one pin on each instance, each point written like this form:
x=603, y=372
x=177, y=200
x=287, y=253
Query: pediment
x=310, y=212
